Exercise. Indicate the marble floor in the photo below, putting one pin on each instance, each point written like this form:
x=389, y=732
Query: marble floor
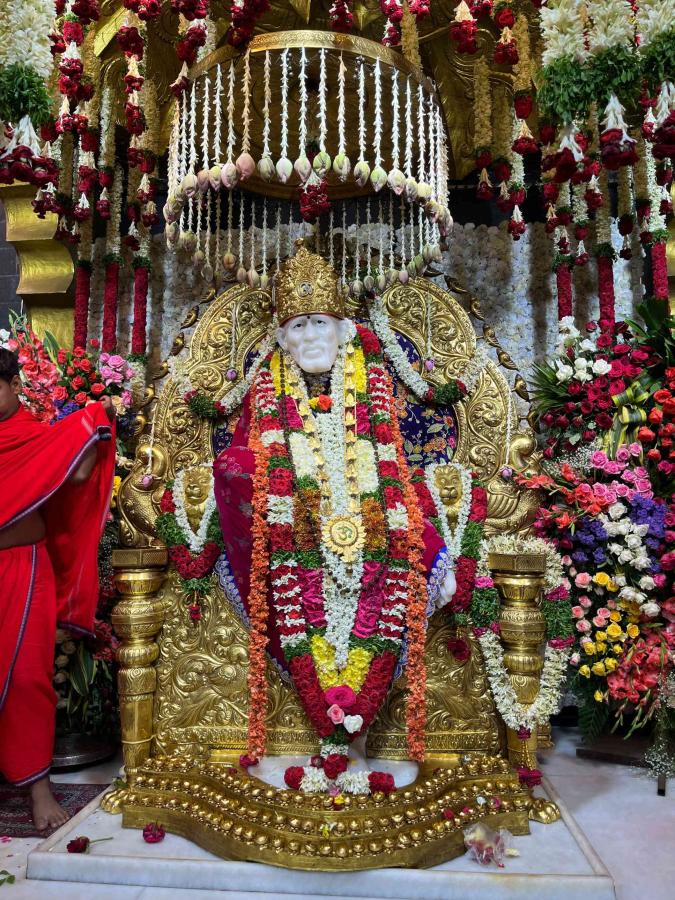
x=630, y=827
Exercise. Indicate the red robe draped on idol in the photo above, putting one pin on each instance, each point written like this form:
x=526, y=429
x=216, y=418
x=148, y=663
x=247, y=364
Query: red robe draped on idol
x=53, y=581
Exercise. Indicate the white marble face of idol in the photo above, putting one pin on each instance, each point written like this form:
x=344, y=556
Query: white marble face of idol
x=312, y=341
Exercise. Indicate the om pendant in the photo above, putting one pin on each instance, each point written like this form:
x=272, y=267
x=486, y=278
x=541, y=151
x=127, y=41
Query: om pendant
x=344, y=536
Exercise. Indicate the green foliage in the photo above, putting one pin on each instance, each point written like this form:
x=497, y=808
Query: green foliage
x=169, y=530
x=658, y=330
x=471, y=539
x=138, y=358
x=593, y=717
x=615, y=71
x=447, y=393
x=6, y=877
x=199, y=586
x=23, y=93
x=546, y=391
x=558, y=619
x=658, y=61
x=565, y=90
x=203, y=407
x=484, y=607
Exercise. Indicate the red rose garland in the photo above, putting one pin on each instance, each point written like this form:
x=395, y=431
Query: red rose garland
x=138, y=334
x=606, y=288
x=110, y=291
x=81, y=311
x=659, y=270
x=563, y=279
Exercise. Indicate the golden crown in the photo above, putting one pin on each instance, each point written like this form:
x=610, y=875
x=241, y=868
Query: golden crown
x=307, y=285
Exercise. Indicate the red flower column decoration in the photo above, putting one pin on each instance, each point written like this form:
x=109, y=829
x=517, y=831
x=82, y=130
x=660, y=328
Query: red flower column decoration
x=141, y=266
x=659, y=270
x=606, y=285
x=562, y=266
x=112, y=277
x=81, y=312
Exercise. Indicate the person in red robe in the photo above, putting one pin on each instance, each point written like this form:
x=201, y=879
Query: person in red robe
x=55, y=488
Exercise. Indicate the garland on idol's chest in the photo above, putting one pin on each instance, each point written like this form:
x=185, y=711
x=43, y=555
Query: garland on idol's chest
x=326, y=495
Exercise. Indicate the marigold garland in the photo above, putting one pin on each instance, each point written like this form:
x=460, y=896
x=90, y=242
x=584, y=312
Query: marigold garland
x=416, y=671
x=257, y=598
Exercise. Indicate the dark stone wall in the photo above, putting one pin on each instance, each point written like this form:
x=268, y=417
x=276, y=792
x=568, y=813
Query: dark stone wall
x=9, y=275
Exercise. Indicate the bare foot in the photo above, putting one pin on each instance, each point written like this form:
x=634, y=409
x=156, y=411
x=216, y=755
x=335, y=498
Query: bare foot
x=46, y=811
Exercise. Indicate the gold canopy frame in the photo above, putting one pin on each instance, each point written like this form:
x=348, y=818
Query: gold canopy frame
x=183, y=690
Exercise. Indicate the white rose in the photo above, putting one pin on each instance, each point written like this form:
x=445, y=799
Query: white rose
x=616, y=511
x=564, y=373
x=580, y=363
x=650, y=609
x=4, y=337
x=647, y=583
x=601, y=367
x=588, y=345
x=352, y=723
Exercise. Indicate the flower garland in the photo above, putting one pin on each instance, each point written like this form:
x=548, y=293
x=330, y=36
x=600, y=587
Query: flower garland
x=445, y=394
x=193, y=555
x=81, y=311
x=453, y=540
x=313, y=478
x=141, y=266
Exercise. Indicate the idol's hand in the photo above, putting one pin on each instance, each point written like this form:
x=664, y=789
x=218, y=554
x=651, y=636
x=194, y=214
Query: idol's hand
x=447, y=589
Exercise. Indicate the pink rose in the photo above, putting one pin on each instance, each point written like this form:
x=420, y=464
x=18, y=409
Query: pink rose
x=643, y=485
x=582, y=580
x=341, y=695
x=623, y=454
x=583, y=625
x=611, y=604
x=612, y=468
x=566, y=560
x=115, y=361
x=629, y=476
x=659, y=580
x=574, y=659
x=603, y=612
x=635, y=449
x=599, y=622
x=622, y=490
x=336, y=714
x=641, y=472
x=484, y=581
x=598, y=459
x=577, y=612
x=586, y=602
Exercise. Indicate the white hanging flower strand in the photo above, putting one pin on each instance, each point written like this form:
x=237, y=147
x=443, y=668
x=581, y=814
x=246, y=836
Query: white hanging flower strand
x=284, y=104
x=302, y=128
x=380, y=219
x=196, y=539
x=391, y=231
x=362, y=112
x=377, y=115
x=268, y=103
x=421, y=134
x=230, y=114
x=342, y=71
x=205, y=126
x=408, y=129
x=193, y=127
x=218, y=114
x=245, y=113
x=264, y=237
x=331, y=242
x=344, y=244
x=395, y=117
x=230, y=221
x=252, y=237
x=278, y=237
x=321, y=114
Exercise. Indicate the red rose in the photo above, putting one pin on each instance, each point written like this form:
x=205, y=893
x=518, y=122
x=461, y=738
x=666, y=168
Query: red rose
x=77, y=382
x=341, y=695
x=80, y=398
x=281, y=537
x=669, y=407
x=281, y=482
x=153, y=833
x=392, y=496
x=166, y=504
x=646, y=435
x=78, y=845
x=97, y=389
x=60, y=393
x=335, y=765
x=369, y=343
x=383, y=433
x=381, y=781
x=293, y=777
x=459, y=649
x=388, y=469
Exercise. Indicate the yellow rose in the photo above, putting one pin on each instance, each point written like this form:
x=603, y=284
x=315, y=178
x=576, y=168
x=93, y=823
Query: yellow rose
x=598, y=668
x=585, y=671
x=589, y=648
x=615, y=615
x=613, y=586
x=117, y=481
x=611, y=664
x=602, y=578
x=614, y=631
x=599, y=696
x=618, y=649
x=601, y=647
x=601, y=635
x=633, y=631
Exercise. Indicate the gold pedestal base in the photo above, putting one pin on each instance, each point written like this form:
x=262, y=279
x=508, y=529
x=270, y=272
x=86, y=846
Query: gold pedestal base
x=236, y=816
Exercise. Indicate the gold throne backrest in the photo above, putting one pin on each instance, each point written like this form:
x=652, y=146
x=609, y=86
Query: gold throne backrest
x=201, y=698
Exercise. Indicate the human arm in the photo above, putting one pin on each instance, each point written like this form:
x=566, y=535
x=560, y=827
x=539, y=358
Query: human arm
x=88, y=461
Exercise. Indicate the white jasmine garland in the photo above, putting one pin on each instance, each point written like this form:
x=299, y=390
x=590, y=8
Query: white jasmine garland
x=24, y=35
x=196, y=540
x=353, y=782
x=514, y=713
x=453, y=541
x=612, y=24
x=562, y=29
x=314, y=781
x=515, y=544
x=654, y=17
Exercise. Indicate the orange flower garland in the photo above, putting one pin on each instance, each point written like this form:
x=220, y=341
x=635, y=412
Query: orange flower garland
x=416, y=612
x=257, y=664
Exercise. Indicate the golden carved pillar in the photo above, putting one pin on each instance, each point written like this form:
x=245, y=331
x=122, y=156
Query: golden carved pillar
x=137, y=619
x=519, y=579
